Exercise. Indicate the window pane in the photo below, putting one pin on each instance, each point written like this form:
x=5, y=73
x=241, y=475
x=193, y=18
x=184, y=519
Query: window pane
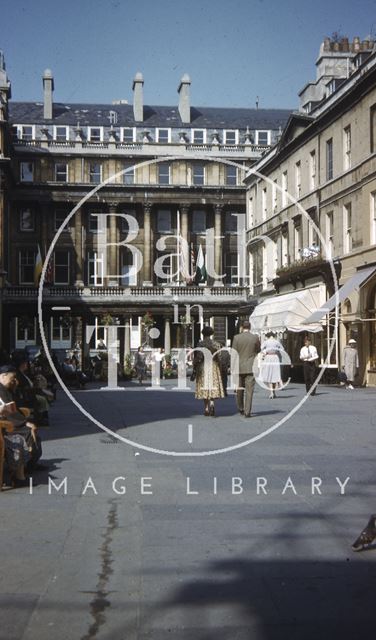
x=95, y=172
x=61, y=172
x=61, y=134
x=26, y=220
x=198, y=174
x=163, y=135
x=128, y=175
x=198, y=136
x=26, y=171
x=128, y=134
x=262, y=137
x=230, y=175
x=164, y=173
x=164, y=221
x=230, y=137
x=198, y=221
x=59, y=219
x=61, y=267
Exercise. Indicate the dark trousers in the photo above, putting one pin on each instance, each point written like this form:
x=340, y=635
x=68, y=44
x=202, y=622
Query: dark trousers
x=244, y=394
x=309, y=372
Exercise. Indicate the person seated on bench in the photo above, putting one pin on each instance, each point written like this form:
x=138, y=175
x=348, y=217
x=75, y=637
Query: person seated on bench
x=73, y=373
x=22, y=446
x=29, y=395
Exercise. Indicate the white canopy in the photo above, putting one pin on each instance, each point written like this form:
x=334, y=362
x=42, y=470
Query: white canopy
x=357, y=280
x=288, y=311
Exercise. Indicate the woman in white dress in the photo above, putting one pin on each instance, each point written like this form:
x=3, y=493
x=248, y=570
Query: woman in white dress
x=270, y=367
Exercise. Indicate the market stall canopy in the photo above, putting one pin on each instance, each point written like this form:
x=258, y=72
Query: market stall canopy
x=288, y=311
x=343, y=292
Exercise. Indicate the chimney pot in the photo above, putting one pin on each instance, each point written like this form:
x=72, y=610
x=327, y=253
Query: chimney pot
x=48, y=88
x=185, y=99
x=138, y=97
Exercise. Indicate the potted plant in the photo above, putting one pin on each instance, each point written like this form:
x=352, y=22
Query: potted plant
x=128, y=368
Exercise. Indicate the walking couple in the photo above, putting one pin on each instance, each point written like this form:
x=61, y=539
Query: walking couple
x=208, y=375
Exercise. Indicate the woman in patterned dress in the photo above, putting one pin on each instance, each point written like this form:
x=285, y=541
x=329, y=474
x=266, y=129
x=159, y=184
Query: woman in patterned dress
x=209, y=384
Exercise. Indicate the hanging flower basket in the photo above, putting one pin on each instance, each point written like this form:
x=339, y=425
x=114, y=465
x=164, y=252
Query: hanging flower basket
x=107, y=319
x=148, y=320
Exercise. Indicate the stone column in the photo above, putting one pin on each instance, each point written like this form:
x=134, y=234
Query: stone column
x=167, y=337
x=79, y=242
x=148, y=249
x=184, y=233
x=127, y=339
x=113, y=249
x=218, y=242
x=44, y=230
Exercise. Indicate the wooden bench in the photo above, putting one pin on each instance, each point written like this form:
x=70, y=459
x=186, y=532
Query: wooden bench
x=6, y=426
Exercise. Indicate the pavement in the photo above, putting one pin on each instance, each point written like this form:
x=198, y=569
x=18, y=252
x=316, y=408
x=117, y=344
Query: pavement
x=194, y=528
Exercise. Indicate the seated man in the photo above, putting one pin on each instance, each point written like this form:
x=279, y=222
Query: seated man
x=28, y=395
x=23, y=441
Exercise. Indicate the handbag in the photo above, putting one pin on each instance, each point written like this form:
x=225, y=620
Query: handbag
x=193, y=376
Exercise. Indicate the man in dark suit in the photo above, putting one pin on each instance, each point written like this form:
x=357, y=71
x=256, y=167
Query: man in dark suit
x=247, y=346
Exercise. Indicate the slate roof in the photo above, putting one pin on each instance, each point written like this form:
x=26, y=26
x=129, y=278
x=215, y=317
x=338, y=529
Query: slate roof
x=98, y=115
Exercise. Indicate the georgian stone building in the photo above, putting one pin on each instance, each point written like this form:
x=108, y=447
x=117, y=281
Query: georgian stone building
x=314, y=199
x=176, y=170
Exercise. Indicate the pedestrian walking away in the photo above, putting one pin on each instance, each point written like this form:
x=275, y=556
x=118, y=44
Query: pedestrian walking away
x=140, y=364
x=309, y=355
x=350, y=363
x=247, y=345
x=270, y=366
x=208, y=377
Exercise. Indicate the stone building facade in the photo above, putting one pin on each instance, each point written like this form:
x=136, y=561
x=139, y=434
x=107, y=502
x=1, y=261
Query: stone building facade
x=169, y=170
x=311, y=213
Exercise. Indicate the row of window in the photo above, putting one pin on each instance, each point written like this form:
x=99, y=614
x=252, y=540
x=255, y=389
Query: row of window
x=59, y=271
x=312, y=176
x=132, y=134
x=95, y=172
x=165, y=221
x=339, y=239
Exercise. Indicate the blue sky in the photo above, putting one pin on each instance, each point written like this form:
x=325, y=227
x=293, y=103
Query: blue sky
x=234, y=50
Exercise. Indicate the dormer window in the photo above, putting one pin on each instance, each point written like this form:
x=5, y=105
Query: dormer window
x=23, y=132
x=163, y=136
x=128, y=135
x=95, y=134
x=263, y=137
x=198, y=136
x=230, y=136
x=61, y=134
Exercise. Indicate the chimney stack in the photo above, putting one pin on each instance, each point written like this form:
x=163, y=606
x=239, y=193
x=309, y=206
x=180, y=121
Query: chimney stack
x=138, y=97
x=48, y=87
x=185, y=99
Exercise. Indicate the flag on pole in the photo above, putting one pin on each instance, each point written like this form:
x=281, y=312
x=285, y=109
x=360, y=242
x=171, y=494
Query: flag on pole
x=200, y=275
x=50, y=271
x=38, y=267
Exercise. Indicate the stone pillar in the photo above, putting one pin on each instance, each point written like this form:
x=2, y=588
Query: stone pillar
x=148, y=249
x=167, y=337
x=79, y=242
x=127, y=339
x=44, y=229
x=218, y=242
x=113, y=249
x=184, y=221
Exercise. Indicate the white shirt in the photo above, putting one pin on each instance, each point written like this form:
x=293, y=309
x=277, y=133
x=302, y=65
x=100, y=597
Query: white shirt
x=309, y=354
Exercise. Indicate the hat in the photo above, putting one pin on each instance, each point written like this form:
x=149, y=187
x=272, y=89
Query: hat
x=8, y=368
x=352, y=341
x=207, y=331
